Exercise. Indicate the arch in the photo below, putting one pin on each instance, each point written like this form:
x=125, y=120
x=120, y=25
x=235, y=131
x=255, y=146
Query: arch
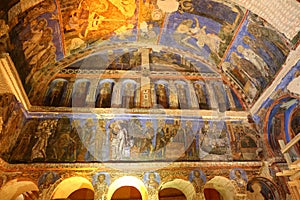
x=168, y=193
x=277, y=123
x=201, y=94
x=127, y=193
x=104, y=93
x=162, y=94
x=267, y=188
x=220, y=96
x=128, y=181
x=222, y=185
x=15, y=187
x=68, y=186
x=79, y=93
x=183, y=93
x=184, y=186
x=55, y=93
x=128, y=94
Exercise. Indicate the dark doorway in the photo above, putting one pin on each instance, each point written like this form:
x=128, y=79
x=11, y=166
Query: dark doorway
x=171, y=194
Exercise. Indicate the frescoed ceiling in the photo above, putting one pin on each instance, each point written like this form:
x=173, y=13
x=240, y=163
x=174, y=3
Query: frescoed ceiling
x=186, y=62
x=216, y=38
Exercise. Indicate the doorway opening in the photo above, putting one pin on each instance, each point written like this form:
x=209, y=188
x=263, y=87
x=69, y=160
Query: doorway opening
x=171, y=194
x=127, y=193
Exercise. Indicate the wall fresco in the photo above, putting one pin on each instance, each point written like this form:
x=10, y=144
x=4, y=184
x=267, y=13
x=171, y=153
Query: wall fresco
x=37, y=41
x=280, y=123
x=133, y=137
x=11, y=121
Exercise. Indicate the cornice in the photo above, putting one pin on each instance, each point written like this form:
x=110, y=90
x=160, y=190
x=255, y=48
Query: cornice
x=11, y=81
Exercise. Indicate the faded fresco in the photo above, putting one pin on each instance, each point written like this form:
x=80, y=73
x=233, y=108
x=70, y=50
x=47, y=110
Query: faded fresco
x=261, y=188
x=283, y=124
x=38, y=36
x=239, y=177
x=212, y=36
x=116, y=93
x=198, y=180
x=11, y=121
x=101, y=182
x=133, y=137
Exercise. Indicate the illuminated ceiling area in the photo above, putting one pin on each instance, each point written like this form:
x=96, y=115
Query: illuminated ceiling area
x=209, y=38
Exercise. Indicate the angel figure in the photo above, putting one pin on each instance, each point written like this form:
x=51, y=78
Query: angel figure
x=264, y=170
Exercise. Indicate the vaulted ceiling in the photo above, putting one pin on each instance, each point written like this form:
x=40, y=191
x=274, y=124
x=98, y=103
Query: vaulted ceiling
x=217, y=38
x=238, y=50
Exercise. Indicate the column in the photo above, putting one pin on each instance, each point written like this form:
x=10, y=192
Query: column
x=230, y=98
x=91, y=98
x=145, y=92
x=212, y=95
x=68, y=95
x=193, y=97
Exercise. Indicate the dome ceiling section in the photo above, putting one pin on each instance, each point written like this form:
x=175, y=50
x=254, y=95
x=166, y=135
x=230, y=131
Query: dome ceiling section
x=230, y=40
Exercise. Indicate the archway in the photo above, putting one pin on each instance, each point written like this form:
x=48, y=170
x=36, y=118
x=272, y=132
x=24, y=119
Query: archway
x=265, y=188
x=210, y=193
x=128, y=185
x=19, y=189
x=182, y=189
x=170, y=194
x=127, y=193
x=74, y=188
x=219, y=187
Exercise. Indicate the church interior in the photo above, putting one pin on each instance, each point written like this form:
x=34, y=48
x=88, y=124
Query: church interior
x=149, y=99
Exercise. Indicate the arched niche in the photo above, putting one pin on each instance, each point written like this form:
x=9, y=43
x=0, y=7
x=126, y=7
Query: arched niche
x=261, y=187
x=79, y=93
x=221, y=186
x=127, y=181
x=201, y=94
x=220, y=96
x=128, y=91
x=72, y=187
x=55, y=93
x=278, y=124
x=183, y=186
x=183, y=94
x=162, y=94
x=15, y=188
x=104, y=93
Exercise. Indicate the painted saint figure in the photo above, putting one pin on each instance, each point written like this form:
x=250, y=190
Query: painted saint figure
x=118, y=140
x=161, y=96
x=44, y=131
x=104, y=98
x=80, y=93
x=182, y=97
x=101, y=187
x=239, y=177
x=128, y=96
x=152, y=183
x=201, y=95
x=198, y=182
